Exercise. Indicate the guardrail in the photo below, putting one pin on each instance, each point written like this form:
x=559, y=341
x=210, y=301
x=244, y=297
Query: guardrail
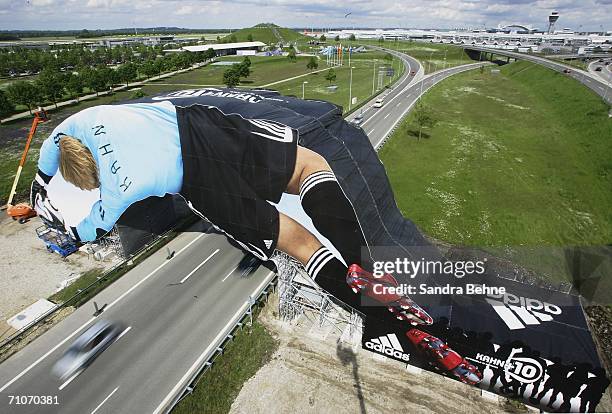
x=224, y=337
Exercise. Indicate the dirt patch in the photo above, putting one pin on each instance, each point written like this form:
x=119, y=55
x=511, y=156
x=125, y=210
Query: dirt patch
x=309, y=374
x=600, y=319
x=29, y=271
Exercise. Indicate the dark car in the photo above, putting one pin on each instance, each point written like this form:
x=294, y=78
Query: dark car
x=412, y=72
x=598, y=69
x=248, y=264
x=87, y=348
x=567, y=71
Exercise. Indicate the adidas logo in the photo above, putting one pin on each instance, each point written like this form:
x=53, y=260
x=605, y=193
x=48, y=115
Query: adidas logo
x=388, y=345
x=517, y=311
x=268, y=243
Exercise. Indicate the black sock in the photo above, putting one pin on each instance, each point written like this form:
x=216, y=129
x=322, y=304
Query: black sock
x=330, y=274
x=333, y=215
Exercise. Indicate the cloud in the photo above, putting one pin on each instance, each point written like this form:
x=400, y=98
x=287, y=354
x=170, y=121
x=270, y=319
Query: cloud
x=93, y=14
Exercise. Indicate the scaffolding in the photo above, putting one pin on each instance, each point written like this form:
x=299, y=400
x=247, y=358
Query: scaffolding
x=301, y=299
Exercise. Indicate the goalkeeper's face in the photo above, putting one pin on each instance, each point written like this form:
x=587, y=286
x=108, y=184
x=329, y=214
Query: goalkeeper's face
x=77, y=165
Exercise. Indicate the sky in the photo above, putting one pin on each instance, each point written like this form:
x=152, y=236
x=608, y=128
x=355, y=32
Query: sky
x=212, y=14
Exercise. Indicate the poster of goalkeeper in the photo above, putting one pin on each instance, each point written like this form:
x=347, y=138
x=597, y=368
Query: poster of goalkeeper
x=229, y=155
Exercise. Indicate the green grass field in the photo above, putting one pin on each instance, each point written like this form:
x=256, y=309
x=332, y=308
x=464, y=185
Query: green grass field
x=316, y=88
x=520, y=158
x=577, y=63
x=265, y=69
x=266, y=35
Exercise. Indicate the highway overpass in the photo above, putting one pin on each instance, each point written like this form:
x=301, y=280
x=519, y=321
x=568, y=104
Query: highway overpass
x=599, y=86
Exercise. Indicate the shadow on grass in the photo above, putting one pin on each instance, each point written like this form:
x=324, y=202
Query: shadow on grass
x=415, y=134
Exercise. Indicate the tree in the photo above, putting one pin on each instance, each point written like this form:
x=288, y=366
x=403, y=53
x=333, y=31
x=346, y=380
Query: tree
x=24, y=93
x=250, y=37
x=322, y=38
x=231, y=77
x=247, y=61
x=51, y=85
x=352, y=37
x=330, y=76
x=232, y=39
x=291, y=56
x=96, y=81
x=242, y=69
x=218, y=38
x=6, y=106
x=210, y=53
x=423, y=117
x=74, y=85
x=312, y=63
x=148, y=69
x=127, y=72
x=381, y=39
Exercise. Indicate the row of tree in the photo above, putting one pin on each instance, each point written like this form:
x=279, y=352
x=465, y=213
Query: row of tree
x=19, y=61
x=53, y=84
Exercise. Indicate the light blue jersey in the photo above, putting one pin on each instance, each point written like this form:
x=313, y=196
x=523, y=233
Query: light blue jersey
x=137, y=150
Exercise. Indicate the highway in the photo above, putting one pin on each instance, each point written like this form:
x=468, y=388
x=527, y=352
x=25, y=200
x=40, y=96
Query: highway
x=176, y=310
x=598, y=85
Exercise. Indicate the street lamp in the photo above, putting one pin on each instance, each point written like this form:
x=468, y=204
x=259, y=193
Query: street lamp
x=374, y=76
x=303, y=85
x=351, y=88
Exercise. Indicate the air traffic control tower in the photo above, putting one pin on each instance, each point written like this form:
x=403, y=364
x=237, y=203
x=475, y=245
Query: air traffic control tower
x=552, y=19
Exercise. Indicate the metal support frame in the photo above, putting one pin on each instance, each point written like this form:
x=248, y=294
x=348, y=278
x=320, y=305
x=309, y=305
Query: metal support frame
x=300, y=298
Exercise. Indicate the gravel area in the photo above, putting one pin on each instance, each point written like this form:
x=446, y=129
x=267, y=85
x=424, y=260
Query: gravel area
x=311, y=375
x=28, y=271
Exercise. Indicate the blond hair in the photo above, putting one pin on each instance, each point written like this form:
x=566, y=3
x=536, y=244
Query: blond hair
x=77, y=165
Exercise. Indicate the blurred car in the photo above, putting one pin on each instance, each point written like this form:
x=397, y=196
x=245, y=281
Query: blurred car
x=358, y=119
x=567, y=71
x=248, y=264
x=87, y=348
x=379, y=103
x=598, y=69
x=443, y=358
x=412, y=72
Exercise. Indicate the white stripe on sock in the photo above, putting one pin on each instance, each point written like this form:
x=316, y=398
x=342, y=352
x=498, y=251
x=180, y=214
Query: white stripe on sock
x=315, y=257
x=309, y=183
x=317, y=261
x=316, y=175
x=318, y=266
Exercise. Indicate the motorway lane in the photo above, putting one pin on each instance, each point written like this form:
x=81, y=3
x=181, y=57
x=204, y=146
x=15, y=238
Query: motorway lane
x=594, y=83
x=171, y=323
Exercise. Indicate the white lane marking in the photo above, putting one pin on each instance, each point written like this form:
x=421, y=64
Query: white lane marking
x=398, y=104
x=198, y=266
x=387, y=116
x=33, y=364
x=104, y=400
x=229, y=274
x=203, y=355
x=69, y=380
x=126, y=330
x=369, y=133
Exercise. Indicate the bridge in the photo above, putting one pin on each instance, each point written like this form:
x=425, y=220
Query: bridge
x=598, y=85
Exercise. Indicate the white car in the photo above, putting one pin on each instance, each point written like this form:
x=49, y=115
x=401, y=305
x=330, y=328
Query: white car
x=358, y=119
x=378, y=103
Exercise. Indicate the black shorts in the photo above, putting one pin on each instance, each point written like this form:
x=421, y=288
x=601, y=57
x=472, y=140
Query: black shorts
x=232, y=167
